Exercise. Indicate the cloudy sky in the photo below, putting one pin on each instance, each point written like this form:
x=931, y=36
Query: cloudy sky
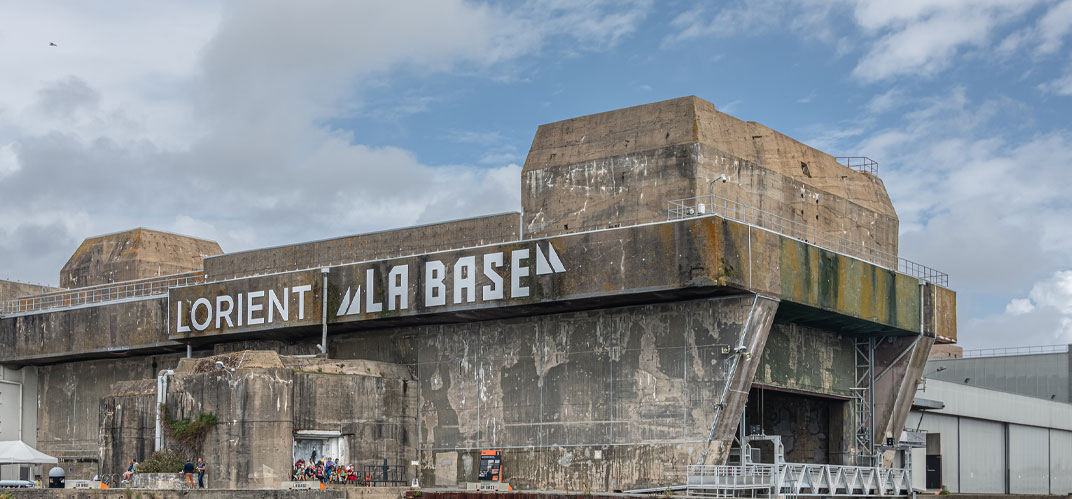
x=259, y=123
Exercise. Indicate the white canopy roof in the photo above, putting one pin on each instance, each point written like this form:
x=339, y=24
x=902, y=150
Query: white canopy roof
x=17, y=452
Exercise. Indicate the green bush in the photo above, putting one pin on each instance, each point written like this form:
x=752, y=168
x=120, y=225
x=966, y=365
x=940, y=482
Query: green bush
x=187, y=434
x=162, y=461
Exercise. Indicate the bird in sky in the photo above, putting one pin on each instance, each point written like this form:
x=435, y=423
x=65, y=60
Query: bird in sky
x=50, y=44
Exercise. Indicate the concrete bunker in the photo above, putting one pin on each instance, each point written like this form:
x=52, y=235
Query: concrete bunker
x=598, y=339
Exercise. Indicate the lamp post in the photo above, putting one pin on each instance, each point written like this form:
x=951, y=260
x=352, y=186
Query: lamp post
x=711, y=190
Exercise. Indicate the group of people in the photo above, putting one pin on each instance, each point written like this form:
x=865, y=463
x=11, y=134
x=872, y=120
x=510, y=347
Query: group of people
x=328, y=470
x=188, y=470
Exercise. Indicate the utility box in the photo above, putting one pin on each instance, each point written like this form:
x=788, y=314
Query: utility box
x=56, y=478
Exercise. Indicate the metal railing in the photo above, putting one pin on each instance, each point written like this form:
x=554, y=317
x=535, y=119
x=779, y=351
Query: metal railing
x=732, y=210
x=795, y=479
x=859, y=163
x=102, y=293
x=1002, y=352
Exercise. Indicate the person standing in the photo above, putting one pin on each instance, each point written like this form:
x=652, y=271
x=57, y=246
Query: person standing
x=188, y=471
x=200, y=473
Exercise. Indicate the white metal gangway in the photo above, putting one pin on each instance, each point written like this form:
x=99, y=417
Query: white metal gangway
x=796, y=479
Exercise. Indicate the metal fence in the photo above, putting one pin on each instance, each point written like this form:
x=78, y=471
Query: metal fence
x=859, y=163
x=1002, y=352
x=140, y=288
x=794, y=479
x=732, y=210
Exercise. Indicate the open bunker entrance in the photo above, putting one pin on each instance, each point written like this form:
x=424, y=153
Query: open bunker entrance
x=814, y=428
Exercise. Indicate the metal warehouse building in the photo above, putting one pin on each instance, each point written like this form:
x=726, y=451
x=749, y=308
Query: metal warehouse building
x=995, y=421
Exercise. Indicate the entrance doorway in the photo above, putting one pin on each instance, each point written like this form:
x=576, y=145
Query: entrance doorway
x=934, y=461
x=314, y=446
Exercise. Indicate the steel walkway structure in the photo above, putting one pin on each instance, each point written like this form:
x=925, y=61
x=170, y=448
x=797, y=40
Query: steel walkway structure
x=798, y=480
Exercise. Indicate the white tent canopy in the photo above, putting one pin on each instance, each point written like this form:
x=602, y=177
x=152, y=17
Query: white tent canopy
x=17, y=452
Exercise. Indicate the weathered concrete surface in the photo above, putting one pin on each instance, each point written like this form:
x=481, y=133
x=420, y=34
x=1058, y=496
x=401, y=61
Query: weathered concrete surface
x=704, y=255
x=70, y=406
x=10, y=290
x=622, y=167
x=803, y=422
x=636, y=385
x=261, y=405
x=127, y=425
x=134, y=254
x=90, y=332
x=393, y=243
x=899, y=364
x=804, y=359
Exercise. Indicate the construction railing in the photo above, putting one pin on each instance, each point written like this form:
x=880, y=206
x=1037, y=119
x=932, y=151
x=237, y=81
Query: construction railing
x=795, y=479
x=140, y=288
x=732, y=210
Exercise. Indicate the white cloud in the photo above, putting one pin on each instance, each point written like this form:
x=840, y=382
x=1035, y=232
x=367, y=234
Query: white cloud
x=1046, y=35
x=886, y=101
x=192, y=118
x=1044, y=316
x=1019, y=306
x=9, y=161
x=807, y=18
x=915, y=38
x=922, y=38
x=985, y=205
x=1060, y=86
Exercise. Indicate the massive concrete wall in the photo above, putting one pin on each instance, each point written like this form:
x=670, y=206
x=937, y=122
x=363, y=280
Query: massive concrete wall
x=372, y=246
x=623, y=166
x=70, y=395
x=97, y=331
x=261, y=406
x=9, y=290
x=805, y=359
x=134, y=254
x=611, y=399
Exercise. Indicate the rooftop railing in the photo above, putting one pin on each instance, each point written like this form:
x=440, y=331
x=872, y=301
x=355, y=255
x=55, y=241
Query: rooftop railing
x=859, y=163
x=116, y=291
x=732, y=210
x=1004, y=352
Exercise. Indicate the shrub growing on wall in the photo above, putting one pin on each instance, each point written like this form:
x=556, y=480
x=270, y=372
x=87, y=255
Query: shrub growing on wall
x=187, y=434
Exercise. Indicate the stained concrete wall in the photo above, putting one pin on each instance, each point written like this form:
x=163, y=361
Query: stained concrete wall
x=623, y=167
x=127, y=425
x=95, y=331
x=807, y=359
x=611, y=399
x=371, y=246
x=69, y=412
x=134, y=254
x=377, y=415
x=9, y=290
x=260, y=408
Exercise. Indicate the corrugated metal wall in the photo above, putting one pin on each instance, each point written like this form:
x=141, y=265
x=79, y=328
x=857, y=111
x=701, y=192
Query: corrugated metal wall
x=982, y=456
x=1060, y=462
x=946, y=426
x=1044, y=376
x=974, y=457
x=1029, y=460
